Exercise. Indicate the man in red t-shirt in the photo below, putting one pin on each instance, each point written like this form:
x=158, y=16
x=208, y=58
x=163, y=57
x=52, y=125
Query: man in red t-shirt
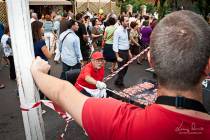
x=180, y=56
x=92, y=74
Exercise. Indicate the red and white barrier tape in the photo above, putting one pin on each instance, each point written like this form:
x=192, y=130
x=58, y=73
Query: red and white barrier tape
x=129, y=62
x=53, y=106
x=27, y=107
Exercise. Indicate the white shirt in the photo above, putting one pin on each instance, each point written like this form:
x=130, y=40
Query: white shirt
x=120, y=40
x=7, y=49
x=70, y=49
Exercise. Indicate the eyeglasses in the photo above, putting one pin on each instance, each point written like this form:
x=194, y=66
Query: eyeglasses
x=99, y=60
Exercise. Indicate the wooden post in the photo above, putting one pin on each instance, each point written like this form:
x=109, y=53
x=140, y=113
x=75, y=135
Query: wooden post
x=75, y=8
x=21, y=36
x=110, y=6
x=88, y=4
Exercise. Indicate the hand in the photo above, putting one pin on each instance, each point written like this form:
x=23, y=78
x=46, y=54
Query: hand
x=100, y=85
x=52, y=49
x=39, y=65
x=119, y=59
x=82, y=63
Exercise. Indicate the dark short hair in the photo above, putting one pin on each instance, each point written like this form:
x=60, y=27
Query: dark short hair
x=48, y=17
x=146, y=23
x=111, y=21
x=79, y=16
x=133, y=24
x=71, y=23
x=65, y=14
x=180, y=50
x=122, y=19
x=86, y=17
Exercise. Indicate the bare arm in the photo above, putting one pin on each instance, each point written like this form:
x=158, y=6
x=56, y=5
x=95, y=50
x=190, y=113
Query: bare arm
x=96, y=36
x=94, y=33
x=90, y=80
x=46, y=52
x=130, y=54
x=134, y=41
x=105, y=35
x=59, y=91
x=117, y=55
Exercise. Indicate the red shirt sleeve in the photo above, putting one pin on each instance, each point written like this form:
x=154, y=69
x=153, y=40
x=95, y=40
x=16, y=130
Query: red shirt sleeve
x=87, y=71
x=102, y=118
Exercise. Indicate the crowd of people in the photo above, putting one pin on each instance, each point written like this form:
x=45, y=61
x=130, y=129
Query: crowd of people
x=179, y=45
x=73, y=40
x=6, y=52
x=180, y=55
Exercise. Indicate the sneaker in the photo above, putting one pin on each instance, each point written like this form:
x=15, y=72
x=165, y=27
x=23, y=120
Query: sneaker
x=2, y=86
x=150, y=70
x=43, y=111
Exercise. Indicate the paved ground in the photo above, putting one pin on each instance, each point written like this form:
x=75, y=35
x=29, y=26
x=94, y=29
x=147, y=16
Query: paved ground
x=11, y=124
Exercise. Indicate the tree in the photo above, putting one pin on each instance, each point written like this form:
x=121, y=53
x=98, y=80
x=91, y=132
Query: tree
x=199, y=6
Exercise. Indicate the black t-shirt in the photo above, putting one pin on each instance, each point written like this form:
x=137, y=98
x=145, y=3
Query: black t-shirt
x=81, y=31
x=38, y=49
x=63, y=25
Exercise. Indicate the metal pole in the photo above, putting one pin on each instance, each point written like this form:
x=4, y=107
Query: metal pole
x=20, y=30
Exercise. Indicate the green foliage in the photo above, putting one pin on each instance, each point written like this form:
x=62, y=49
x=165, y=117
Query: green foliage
x=164, y=8
x=151, y=8
x=200, y=6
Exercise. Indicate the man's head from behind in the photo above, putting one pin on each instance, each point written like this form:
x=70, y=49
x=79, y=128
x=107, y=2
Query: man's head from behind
x=180, y=50
x=97, y=60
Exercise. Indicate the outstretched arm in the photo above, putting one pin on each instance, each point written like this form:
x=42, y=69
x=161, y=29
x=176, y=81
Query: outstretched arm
x=59, y=91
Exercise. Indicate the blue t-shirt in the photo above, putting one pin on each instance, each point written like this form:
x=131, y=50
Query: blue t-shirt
x=38, y=49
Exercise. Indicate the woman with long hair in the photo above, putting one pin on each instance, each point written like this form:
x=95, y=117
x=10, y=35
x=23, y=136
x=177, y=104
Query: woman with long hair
x=40, y=48
x=134, y=40
x=96, y=34
x=108, y=52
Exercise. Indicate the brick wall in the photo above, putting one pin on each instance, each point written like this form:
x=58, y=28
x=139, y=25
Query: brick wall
x=3, y=12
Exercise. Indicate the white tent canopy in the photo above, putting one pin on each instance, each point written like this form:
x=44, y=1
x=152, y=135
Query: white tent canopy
x=49, y=2
x=102, y=1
